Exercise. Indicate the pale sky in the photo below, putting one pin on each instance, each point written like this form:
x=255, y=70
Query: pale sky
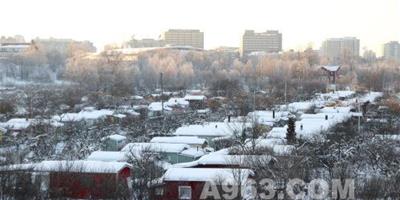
x=301, y=22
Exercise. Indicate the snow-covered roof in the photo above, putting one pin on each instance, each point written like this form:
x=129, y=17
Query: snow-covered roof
x=331, y=68
x=136, y=97
x=18, y=167
x=86, y=114
x=191, y=140
x=222, y=159
x=126, y=109
x=203, y=111
x=89, y=108
x=156, y=147
x=84, y=166
x=195, y=91
x=119, y=116
x=344, y=93
x=277, y=132
x=368, y=97
x=173, y=102
x=212, y=129
x=237, y=119
x=266, y=142
x=23, y=123
x=108, y=156
x=266, y=117
x=306, y=128
x=157, y=106
x=276, y=145
x=300, y=106
x=311, y=124
x=335, y=110
x=193, y=152
x=224, y=176
x=195, y=97
x=17, y=124
x=115, y=137
x=139, y=107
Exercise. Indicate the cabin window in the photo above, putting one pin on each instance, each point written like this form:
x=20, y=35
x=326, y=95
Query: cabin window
x=185, y=192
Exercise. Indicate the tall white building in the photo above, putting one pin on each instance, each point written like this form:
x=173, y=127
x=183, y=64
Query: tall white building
x=391, y=51
x=269, y=41
x=184, y=37
x=335, y=48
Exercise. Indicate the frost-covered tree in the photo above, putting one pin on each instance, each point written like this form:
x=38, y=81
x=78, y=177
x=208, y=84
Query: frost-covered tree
x=291, y=131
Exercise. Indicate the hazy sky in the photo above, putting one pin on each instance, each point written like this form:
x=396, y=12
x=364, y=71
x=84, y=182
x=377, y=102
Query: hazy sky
x=302, y=22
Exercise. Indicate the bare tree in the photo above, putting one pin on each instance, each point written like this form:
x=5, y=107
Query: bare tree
x=146, y=171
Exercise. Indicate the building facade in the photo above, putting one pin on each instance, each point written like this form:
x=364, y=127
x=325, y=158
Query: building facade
x=62, y=45
x=269, y=41
x=369, y=56
x=10, y=49
x=189, y=183
x=12, y=45
x=144, y=43
x=336, y=48
x=77, y=179
x=184, y=37
x=12, y=39
x=391, y=51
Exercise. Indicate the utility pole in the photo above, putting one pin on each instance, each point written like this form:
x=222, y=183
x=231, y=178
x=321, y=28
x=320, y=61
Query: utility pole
x=351, y=75
x=162, y=93
x=286, y=93
x=254, y=93
x=359, y=119
x=383, y=80
x=162, y=102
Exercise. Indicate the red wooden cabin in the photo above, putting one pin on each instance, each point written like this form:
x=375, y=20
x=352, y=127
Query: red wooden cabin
x=86, y=179
x=188, y=183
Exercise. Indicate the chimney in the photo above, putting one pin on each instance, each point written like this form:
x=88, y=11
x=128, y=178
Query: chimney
x=216, y=126
x=273, y=114
x=229, y=118
x=301, y=127
x=326, y=117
